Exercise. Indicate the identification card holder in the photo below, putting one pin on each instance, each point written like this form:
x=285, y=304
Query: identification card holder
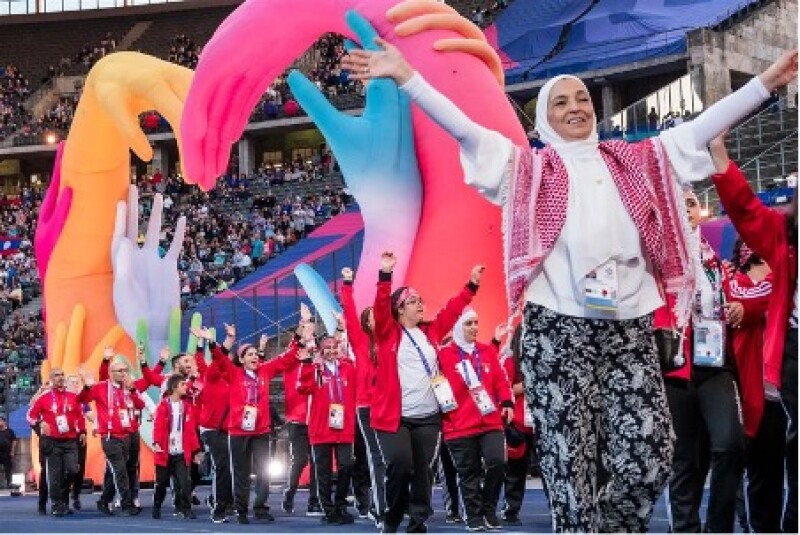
x=249, y=418
x=62, y=424
x=709, y=343
x=336, y=416
x=444, y=394
x=124, y=418
x=482, y=400
x=527, y=419
x=174, y=447
x=600, y=289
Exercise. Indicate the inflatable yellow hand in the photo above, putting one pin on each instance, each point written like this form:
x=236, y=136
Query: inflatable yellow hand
x=96, y=165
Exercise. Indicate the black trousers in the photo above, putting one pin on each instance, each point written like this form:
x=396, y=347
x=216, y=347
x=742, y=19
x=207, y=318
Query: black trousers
x=516, y=478
x=131, y=467
x=450, y=496
x=77, y=482
x=44, y=491
x=175, y=470
x=117, y=452
x=323, y=465
x=360, y=474
x=377, y=470
x=62, y=465
x=480, y=461
x=409, y=454
x=216, y=444
x=299, y=457
x=5, y=463
x=705, y=408
x=249, y=454
x=789, y=400
x=765, y=456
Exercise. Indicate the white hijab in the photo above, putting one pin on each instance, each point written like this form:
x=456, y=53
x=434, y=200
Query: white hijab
x=458, y=331
x=546, y=132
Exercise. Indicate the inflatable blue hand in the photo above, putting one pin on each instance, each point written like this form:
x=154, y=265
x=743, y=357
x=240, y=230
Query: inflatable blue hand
x=378, y=160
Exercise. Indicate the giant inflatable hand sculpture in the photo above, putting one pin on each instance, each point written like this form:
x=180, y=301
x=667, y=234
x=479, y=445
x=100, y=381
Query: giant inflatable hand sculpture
x=95, y=166
x=146, y=286
x=262, y=37
x=377, y=158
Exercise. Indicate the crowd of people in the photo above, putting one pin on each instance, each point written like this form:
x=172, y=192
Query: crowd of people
x=184, y=52
x=483, y=16
x=14, y=89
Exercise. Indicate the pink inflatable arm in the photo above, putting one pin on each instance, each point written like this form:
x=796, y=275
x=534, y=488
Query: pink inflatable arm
x=52, y=217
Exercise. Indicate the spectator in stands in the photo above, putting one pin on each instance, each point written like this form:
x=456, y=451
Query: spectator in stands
x=8, y=447
x=652, y=120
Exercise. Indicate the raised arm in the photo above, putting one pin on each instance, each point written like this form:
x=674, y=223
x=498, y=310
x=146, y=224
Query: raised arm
x=352, y=322
x=447, y=317
x=485, y=154
x=384, y=322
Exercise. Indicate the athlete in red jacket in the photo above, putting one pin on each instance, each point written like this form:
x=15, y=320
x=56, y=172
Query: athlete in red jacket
x=473, y=431
x=248, y=421
x=368, y=471
x=406, y=414
x=175, y=445
x=57, y=418
x=116, y=403
x=772, y=235
x=331, y=387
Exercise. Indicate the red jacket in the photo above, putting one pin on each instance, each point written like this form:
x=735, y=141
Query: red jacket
x=514, y=377
x=664, y=318
x=212, y=405
x=359, y=342
x=466, y=419
x=238, y=391
x=104, y=394
x=46, y=407
x=386, y=407
x=321, y=386
x=764, y=231
x=162, y=426
x=748, y=346
x=295, y=403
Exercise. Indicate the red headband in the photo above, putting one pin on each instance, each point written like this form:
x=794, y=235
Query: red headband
x=404, y=295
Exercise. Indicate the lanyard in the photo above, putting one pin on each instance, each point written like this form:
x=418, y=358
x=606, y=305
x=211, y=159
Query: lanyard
x=174, y=417
x=251, y=384
x=419, y=352
x=55, y=403
x=112, y=401
x=464, y=366
x=335, y=378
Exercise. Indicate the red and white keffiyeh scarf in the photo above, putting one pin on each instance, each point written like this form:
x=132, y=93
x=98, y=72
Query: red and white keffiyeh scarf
x=536, y=210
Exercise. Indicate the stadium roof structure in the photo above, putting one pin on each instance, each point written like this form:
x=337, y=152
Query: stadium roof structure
x=542, y=38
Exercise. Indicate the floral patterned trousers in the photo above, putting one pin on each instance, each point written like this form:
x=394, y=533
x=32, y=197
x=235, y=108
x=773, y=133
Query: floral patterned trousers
x=605, y=436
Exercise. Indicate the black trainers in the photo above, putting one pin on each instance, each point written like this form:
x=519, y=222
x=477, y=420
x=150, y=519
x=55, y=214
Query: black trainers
x=315, y=510
x=132, y=510
x=476, y=525
x=453, y=519
x=492, y=522
x=156, y=513
x=59, y=510
x=288, y=503
x=263, y=514
x=511, y=520
x=76, y=504
x=242, y=519
x=332, y=519
x=188, y=515
x=104, y=508
x=219, y=518
x=195, y=500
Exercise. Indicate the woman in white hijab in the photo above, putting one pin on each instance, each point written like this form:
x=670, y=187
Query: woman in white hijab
x=473, y=431
x=594, y=234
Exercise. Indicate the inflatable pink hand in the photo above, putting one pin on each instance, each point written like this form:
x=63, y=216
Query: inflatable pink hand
x=52, y=216
x=260, y=39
